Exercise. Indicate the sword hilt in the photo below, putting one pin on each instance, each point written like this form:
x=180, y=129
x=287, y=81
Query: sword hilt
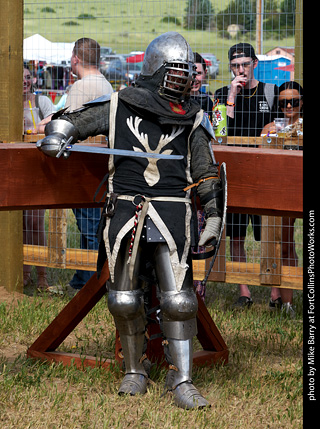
x=63, y=151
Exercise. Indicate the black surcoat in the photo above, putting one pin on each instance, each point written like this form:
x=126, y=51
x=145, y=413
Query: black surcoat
x=138, y=122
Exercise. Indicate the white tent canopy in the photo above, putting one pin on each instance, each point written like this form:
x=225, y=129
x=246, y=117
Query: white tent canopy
x=37, y=48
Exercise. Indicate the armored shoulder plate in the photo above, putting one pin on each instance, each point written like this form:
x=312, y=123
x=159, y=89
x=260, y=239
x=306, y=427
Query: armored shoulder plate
x=99, y=100
x=205, y=123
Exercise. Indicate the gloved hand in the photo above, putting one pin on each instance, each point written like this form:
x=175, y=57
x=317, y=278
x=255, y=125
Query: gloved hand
x=211, y=230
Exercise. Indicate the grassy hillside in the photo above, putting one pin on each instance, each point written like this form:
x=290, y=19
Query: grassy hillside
x=127, y=25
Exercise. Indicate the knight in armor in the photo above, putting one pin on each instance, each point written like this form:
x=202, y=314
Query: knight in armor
x=148, y=212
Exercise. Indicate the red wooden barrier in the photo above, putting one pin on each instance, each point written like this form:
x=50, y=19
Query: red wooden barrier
x=263, y=181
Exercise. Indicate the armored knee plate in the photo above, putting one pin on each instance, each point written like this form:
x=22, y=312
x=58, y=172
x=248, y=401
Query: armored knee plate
x=179, y=311
x=128, y=311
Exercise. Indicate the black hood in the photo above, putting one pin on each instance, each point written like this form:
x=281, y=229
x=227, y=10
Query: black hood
x=144, y=96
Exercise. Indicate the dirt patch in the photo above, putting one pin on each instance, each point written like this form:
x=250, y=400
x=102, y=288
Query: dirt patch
x=9, y=297
x=11, y=351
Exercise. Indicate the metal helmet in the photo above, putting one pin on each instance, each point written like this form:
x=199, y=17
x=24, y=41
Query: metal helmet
x=172, y=55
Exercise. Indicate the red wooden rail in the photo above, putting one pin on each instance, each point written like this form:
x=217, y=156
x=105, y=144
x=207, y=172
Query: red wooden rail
x=262, y=181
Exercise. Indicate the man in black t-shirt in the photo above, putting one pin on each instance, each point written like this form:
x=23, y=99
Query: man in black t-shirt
x=250, y=106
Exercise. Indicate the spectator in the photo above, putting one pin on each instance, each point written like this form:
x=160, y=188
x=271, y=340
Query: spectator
x=206, y=104
x=250, y=106
x=33, y=220
x=90, y=85
x=291, y=106
x=197, y=92
x=61, y=103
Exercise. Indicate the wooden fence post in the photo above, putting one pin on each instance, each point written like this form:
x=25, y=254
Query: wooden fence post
x=11, y=128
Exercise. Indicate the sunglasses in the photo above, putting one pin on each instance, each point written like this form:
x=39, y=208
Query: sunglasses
x=245, y=65
x=294, y=102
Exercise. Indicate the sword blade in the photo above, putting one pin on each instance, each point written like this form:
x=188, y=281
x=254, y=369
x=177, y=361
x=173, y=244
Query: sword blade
x=109, y=151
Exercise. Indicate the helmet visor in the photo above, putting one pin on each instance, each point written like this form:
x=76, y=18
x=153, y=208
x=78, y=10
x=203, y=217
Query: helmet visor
x=178, y=79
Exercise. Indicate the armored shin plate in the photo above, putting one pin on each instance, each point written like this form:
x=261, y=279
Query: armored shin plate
x=179, y=353
x=132, y=349
x=127, y=308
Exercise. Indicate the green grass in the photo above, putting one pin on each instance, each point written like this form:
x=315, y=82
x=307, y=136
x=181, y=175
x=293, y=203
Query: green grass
x=260, y=387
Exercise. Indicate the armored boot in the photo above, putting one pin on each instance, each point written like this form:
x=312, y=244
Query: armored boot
x=178, y=380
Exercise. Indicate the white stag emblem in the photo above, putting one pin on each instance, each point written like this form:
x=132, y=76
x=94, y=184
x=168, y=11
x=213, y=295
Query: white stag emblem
x=151, y=173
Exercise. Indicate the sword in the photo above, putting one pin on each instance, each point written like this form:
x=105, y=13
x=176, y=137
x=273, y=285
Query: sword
x=109, y=151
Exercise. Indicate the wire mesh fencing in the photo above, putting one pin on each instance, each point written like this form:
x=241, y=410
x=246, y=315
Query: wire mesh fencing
x=250, y=50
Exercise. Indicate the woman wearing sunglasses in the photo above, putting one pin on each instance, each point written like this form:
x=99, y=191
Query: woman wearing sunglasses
x=290, y=106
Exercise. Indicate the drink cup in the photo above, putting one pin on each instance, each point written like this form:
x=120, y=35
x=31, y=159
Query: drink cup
x=220, y=120
x=28, y=120
x=281, y=124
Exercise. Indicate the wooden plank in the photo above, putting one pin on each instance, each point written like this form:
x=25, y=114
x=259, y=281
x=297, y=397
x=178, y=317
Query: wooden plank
x=200, y=358
x=33, y=138
x=249, y=273
x=57, y=237
x=71, y=359
x=282, y=143
x=235, y=272
x=208, y=334
x=11, y=71
x=218, y=273
x=11, y=251
x=270, y=250
x=256, y=183
x=11, y=128
x=269, y=142
x=74, y=258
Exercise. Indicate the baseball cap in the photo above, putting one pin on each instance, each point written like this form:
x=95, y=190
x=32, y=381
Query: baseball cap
x=241, y=50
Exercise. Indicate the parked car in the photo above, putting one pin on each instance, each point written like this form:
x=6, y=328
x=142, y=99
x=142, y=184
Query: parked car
x=106, y=60
x=133, y=70
x=134, y=64
x=212, y=64
x=105, y=50
x=116, y=72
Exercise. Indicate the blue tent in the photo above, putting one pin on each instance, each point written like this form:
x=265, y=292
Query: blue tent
x=268, y=71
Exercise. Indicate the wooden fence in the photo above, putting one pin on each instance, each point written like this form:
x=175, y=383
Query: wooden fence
x=261, y=180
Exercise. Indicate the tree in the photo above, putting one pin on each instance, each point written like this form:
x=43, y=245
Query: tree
x=238, y=12
x=199, y=14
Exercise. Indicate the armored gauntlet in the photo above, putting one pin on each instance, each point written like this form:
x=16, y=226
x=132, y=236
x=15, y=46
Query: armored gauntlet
x=59, y=134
